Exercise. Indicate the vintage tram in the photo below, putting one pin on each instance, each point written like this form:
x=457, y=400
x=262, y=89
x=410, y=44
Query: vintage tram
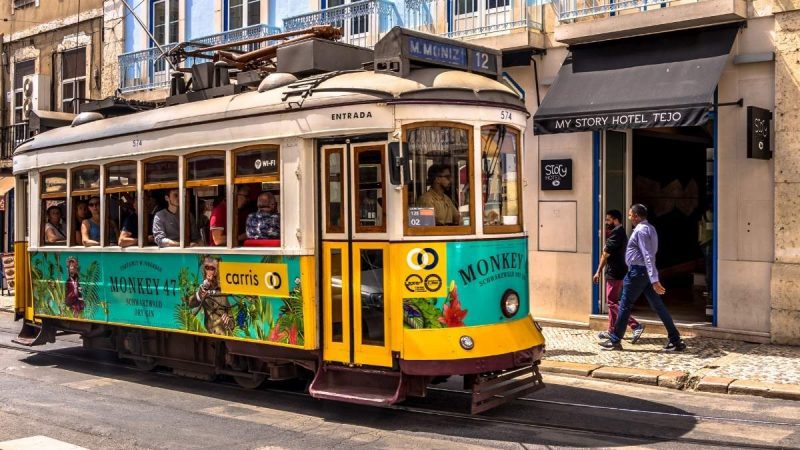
x=356, y=218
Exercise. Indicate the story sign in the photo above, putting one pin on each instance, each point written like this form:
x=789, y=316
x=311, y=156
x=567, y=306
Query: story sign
x=556, y=174
x=758, y=137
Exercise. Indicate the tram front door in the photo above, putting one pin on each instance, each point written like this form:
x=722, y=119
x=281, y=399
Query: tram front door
x=355, y=252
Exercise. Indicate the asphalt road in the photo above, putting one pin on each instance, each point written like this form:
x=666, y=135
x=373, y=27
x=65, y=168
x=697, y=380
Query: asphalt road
x=90, y=399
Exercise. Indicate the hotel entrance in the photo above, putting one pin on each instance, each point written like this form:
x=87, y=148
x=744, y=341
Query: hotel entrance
x=671, y=171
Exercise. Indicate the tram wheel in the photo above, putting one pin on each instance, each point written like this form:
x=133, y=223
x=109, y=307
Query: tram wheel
x=251, y=381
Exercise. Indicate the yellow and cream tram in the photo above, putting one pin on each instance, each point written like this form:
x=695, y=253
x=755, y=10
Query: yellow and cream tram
x=360, y=227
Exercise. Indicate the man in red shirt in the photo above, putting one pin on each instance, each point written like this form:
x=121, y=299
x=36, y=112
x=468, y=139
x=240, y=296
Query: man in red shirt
x=219, y=216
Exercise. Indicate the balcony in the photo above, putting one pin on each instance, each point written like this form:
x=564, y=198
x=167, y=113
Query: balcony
x=363, y=23
x=594, y=20
x=144, y=69
x=10, y=137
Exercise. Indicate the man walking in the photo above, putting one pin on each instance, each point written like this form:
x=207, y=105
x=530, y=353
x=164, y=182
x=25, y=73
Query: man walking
x=613, y=259
x=640, y=255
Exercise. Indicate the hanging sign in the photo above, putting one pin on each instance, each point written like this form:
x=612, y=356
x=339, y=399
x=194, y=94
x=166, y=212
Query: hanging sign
x=556, y=174
x=758, y=137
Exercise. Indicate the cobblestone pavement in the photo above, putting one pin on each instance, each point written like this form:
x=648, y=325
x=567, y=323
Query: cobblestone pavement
x=704, y=356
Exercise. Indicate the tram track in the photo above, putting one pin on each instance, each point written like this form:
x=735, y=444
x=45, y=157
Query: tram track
x=485, y=419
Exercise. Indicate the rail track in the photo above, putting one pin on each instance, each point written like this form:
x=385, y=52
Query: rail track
x=410, y=408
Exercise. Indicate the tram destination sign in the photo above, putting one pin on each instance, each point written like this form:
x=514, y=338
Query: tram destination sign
x=452, y=55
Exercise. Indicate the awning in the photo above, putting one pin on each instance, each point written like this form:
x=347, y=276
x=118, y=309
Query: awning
x=660, y=80
x=6, y=184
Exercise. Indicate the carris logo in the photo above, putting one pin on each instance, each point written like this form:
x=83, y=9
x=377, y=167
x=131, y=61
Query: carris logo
x=273, y=280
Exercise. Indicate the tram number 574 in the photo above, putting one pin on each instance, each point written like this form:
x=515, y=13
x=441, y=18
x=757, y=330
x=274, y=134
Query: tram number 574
x=505, y=115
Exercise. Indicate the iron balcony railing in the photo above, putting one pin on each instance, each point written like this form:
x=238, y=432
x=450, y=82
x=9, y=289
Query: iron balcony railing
x=571, y=10
x=12, y=136
x=472, y=18
x=363, y=23
x=145, y=69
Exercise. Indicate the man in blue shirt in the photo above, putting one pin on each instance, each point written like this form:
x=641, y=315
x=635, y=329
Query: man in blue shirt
x=642, y=277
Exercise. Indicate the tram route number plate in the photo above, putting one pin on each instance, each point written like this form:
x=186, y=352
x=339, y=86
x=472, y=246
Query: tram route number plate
x=421, y=217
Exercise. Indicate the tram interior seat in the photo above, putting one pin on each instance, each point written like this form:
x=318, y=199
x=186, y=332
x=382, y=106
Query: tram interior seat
x=262, y=243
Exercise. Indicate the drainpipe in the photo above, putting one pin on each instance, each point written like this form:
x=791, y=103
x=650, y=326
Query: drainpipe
x=3, y=71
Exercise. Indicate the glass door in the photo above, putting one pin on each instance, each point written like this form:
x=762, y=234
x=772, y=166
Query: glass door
x=355, y=250
x=616, y=185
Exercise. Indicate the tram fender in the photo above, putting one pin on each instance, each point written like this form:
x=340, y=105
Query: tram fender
x=33, y=334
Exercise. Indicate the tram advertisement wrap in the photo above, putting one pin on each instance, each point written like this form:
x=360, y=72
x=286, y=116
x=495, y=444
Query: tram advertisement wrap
x=475, y=277
x=241, y=296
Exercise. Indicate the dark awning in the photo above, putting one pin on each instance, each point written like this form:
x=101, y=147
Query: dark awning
x=660, y=80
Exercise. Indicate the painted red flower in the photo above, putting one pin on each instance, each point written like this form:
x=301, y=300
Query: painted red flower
x=275, y=334
x=452, y=314
x=293, y=334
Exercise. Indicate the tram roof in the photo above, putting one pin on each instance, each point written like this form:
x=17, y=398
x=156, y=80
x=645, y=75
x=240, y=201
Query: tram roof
x=424, y=85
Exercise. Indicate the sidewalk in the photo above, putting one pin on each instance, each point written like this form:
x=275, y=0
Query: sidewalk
x=709, y=365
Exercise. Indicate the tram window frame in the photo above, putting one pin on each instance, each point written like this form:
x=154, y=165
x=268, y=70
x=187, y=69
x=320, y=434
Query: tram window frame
x=120, y=190
x=440, y=230
x=47, y=199
x=331, y=227
x=263, y=181
x=160, y=189
x=85, y=194
x=503, y=228
x=380, y=207
x=191, y=186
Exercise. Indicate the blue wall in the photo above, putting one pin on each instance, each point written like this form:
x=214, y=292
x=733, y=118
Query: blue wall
x=200, y=18
x=279, y=9
x=134, y=38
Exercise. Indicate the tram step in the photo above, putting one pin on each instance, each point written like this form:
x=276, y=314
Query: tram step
x=34, y=334
x=488, y=393
x=362, y=386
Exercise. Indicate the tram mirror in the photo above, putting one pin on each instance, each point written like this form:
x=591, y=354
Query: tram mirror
x=398, y=152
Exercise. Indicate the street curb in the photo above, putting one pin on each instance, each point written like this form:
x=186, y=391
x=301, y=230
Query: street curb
x=674, y=380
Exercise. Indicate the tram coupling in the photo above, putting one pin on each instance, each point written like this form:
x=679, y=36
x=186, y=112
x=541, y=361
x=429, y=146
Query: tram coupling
x=495, y=389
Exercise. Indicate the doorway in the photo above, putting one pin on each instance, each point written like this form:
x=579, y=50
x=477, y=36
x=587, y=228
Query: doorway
x=671, y=172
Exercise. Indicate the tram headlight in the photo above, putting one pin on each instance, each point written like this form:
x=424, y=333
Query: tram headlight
x=466, y=343
x=509, y=303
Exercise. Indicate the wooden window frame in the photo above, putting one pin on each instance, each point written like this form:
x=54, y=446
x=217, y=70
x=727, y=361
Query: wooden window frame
x=505, y=229
x=357, y=182
x=202, y=182
x=117, y=189
x=81, y=192
x=164, y=184
x=49, y=195
x=53, y=196
x=329, y=227
x=233, y=216
x=444, y=230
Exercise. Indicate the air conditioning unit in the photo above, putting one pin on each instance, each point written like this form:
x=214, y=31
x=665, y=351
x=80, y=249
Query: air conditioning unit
x=35, y=94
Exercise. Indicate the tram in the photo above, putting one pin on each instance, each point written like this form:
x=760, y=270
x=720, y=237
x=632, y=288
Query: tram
x=355, y=217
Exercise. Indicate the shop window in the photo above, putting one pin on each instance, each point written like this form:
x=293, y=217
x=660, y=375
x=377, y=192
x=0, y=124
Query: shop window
x=54, y=208
x=334, y=216
x=439, y=200
x=257, y=221
x=205, y=195
x=500, y=179
x=371, y=190
x=85, y=193
x=161, y=198
x=122, y=221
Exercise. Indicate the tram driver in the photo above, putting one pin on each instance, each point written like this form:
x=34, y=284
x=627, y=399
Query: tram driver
x=439, y=179
x=166, y=223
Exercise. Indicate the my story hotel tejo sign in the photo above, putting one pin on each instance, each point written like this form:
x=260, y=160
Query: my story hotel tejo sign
x=644, y=119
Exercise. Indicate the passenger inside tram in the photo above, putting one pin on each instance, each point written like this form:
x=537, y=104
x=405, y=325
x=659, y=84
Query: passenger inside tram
x=129, y=233
x=437, y=196
x=81, y=214
x=265, y=223
x=90, y=227
x=166, y=223
x=54, y=232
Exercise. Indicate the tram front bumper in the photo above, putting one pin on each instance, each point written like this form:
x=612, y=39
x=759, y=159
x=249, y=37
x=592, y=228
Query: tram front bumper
x=470, y=366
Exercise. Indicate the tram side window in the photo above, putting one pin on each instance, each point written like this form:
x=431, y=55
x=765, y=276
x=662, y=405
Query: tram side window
x=205, y=195
x=86, y=206
x=122, y=226
x=54, y=208
x=257, y=182
x=439, y=201
x=162, y=202
x=500, y=179
x=335, y=207
x=370, y=183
